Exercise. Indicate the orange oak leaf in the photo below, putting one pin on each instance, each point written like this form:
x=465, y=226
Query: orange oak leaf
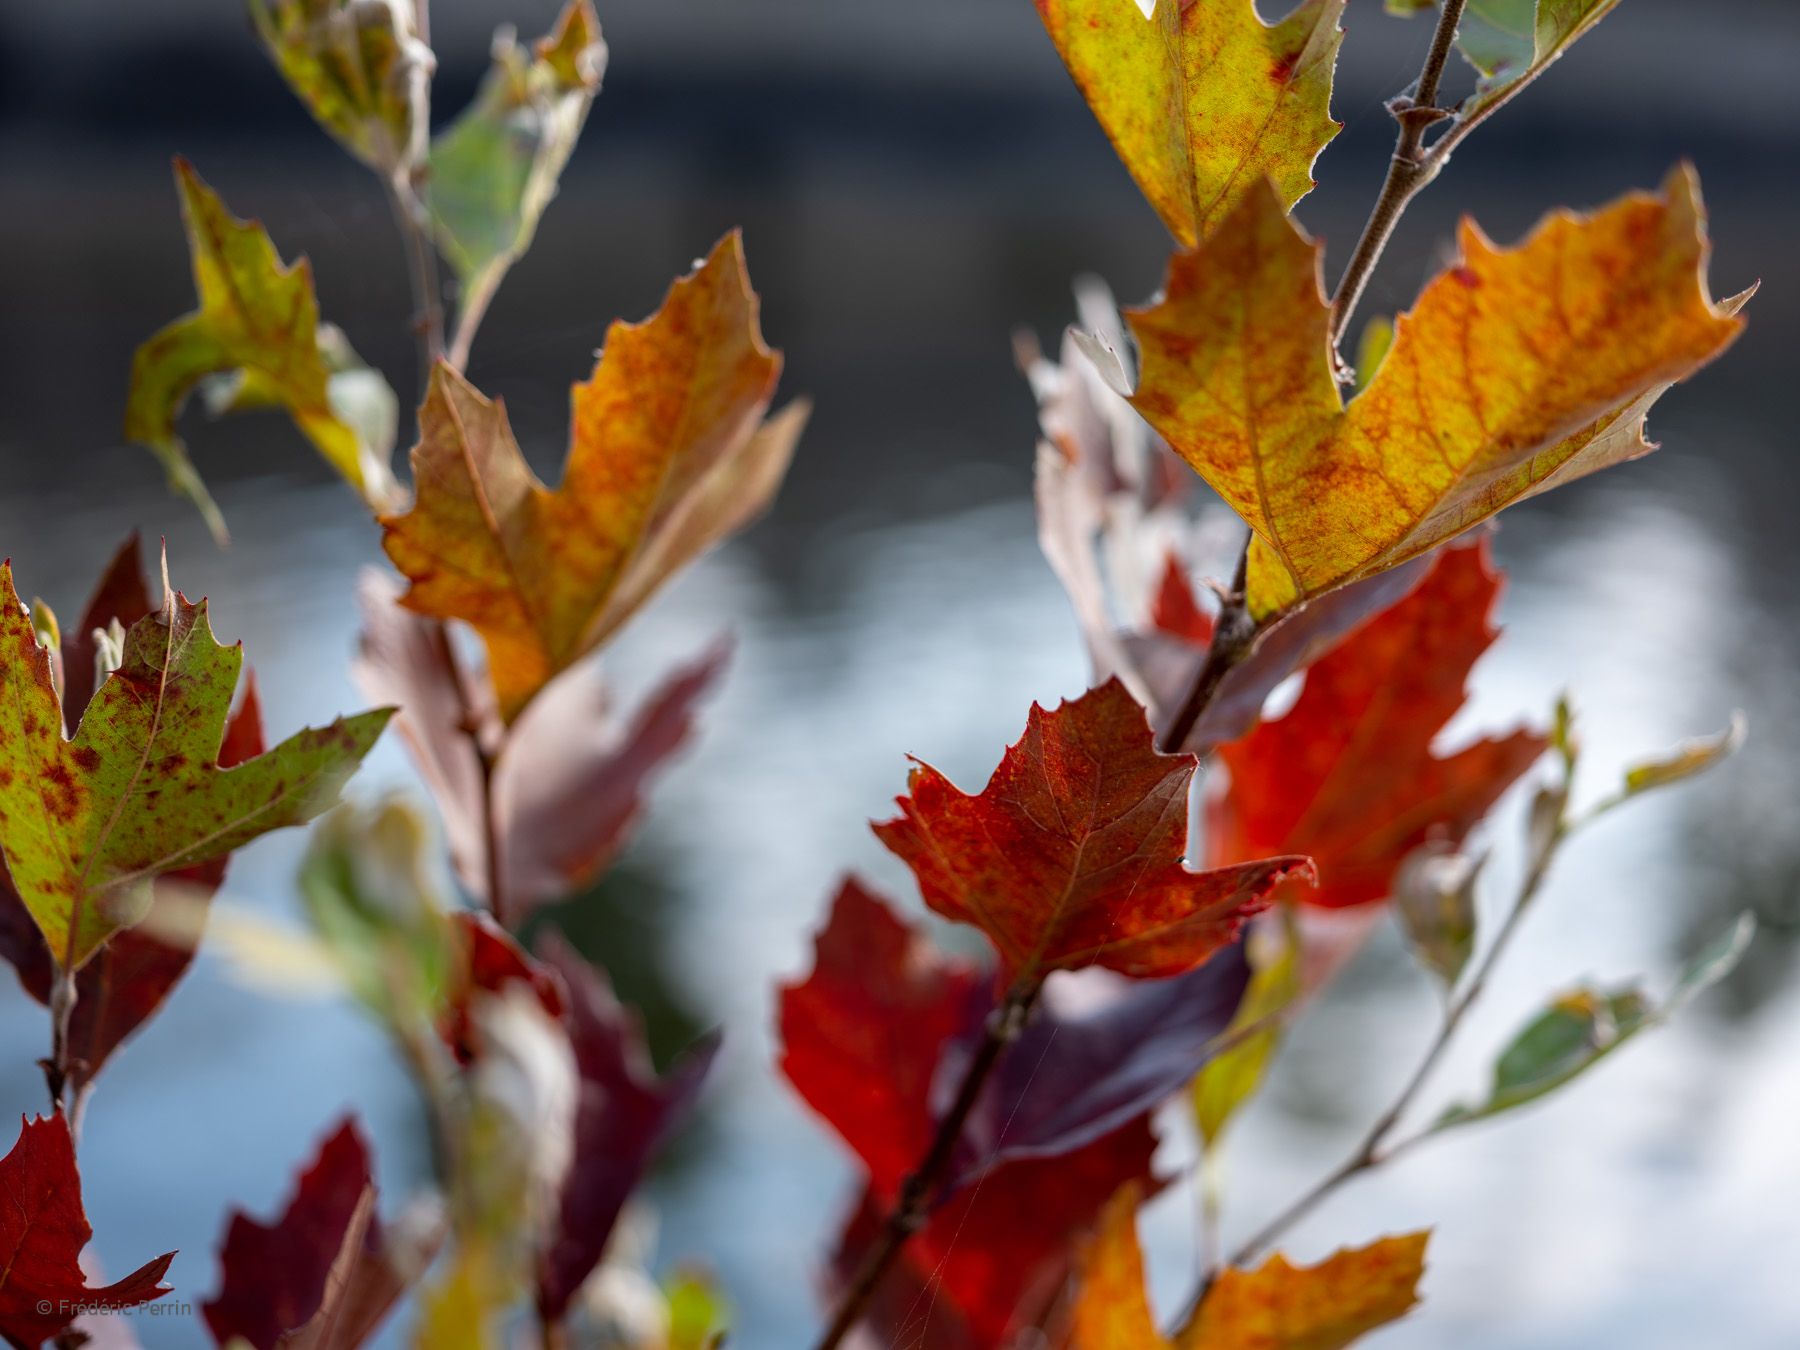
x=1278, y=1306
x=1204, y=101
x=1518, y=370
x=1348, y=775
x=43, y=1228
x=668, y=454
x=1072, y=854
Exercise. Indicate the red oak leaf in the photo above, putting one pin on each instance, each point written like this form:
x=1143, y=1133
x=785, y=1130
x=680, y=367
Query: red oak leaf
x=324, y=1275
x=1348, y=775
x=570, y=775
x=862, y=1035
x=42, y=1231
x=489, y=961
x=1072, y=855
x=1173, y=608
x=125, y=982
x=622, y=1117
x=993, y=1259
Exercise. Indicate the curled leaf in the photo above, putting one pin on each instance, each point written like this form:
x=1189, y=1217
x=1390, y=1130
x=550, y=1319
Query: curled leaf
x=1434, y=897
x=1687, y=759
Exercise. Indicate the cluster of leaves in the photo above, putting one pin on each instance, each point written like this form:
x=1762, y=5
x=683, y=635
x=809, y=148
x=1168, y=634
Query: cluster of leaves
x=1153, y=933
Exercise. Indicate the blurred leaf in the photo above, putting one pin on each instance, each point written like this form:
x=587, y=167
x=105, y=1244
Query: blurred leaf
x=1228, y=1081
x=43, y=1229
x=495, y=168
x=668, y=455
x=1687, y=759
x=359, y=68
x=85, y=829
x=1583, y=1026
x=1434, y=898
x=1549, y=392
x=257, y=330
x=1204, y=102
x=1511, y=42
x=1074, y=853
x=699, y=1314
x=1350, y=775
x=1372, y=349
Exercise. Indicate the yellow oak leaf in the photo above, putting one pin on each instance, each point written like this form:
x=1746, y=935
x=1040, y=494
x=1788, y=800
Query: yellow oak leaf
x=1518, y=370
x=1204, y=101
x=256, y=341
x=1278, y=1306
x=668, y=454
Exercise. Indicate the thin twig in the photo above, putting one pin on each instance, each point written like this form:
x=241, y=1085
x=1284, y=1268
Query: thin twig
x=921, y=1188
x=494, y=871
x=1373, y=1150
x=414, y=224
x=473, y=309
x=59, y=1070
x=1233, y=636
x=1408, y=172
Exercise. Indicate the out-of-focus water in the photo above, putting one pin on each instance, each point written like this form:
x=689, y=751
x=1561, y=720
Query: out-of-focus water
x=895, y=603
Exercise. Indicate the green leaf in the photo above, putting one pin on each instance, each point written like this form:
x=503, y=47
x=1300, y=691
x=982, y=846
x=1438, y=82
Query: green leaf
x=1372, y=349
x=256, y=341
x=1434, y=898
x=1510, y=42
x=1232, y=1078
x=1582, y=1027
x=87, y=823
x=699, y=1316
x=495, y=169
x=367, y=893
x=360, y=69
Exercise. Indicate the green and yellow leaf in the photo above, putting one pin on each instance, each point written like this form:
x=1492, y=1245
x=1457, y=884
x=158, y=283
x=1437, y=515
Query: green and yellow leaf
x=88, y=822
x=256, y=341
x=1204, y=101
x=1518, y=370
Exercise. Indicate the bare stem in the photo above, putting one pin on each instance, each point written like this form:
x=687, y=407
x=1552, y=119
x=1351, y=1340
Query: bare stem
x=495, y=871
x=1374, y=1149
x=921, y=1188
x=414, y=223
x=1233, y=637
x=473, y=310
x=59, y=1070
x=1409, y=171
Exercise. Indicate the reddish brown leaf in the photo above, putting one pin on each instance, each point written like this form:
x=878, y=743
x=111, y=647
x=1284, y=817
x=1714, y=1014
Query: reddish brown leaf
x=43, y=1228
x=490, y=961
x=1175, y=611
x=569, y=777
x=1348, y=775
x=862, y=1035
x=1072, y=855
x=993, y=1260
x=323, y=1276
x=624, y=1114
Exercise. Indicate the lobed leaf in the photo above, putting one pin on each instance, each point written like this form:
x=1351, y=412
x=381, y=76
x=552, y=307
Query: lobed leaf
x=1349, y=775
x=43, y=1229
x=257, y=329
x=87, y=822
x=1204, y=101
x=669, y=454
x=1518, y=370
x=1073, y=854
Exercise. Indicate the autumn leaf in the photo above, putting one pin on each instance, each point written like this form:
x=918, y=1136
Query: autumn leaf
x=1072, y=854
x=324, y=1275
x=1203, y=102
x=127, y=981
x=1275, y=1307
x=361, y=70
x=666, y=458
x=489, y=961
x=256, y=341
x=87, y=822
x=43, y=1229
x=569, y=779
x=495, y=168
x=1518, y=370
x=624, y=1115
x=1348, y=775
x=992, y=1260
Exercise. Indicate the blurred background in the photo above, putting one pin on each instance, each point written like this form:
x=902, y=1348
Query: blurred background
x=914, y=181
